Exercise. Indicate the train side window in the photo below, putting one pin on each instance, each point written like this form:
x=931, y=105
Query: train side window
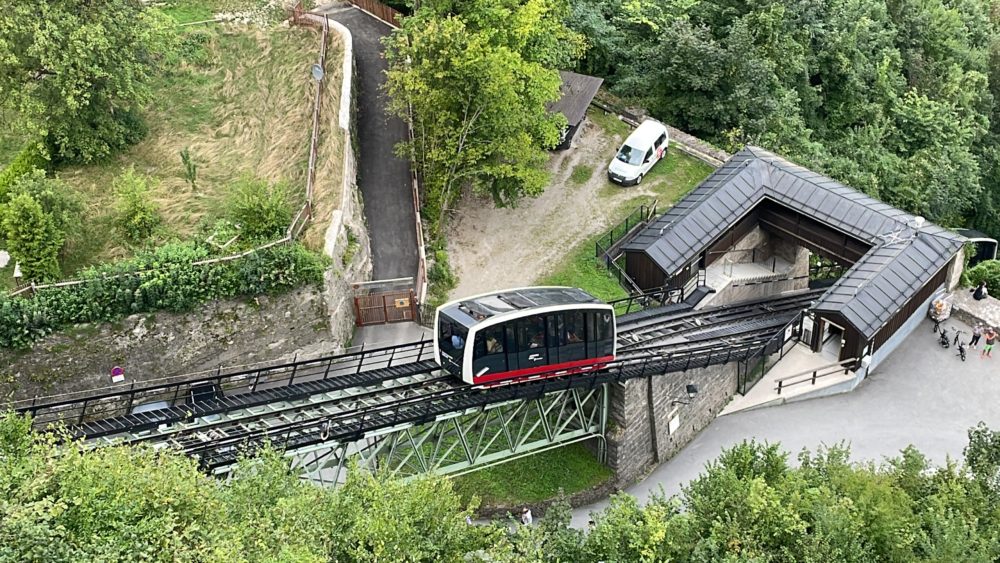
x=531, y=333
x=572, y=328
x=490, y=341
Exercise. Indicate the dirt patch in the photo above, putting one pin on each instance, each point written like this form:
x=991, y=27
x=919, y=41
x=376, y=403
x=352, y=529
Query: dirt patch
x=493, y=249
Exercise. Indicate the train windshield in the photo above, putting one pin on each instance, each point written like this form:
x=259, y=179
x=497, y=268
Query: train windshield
x=451, y=337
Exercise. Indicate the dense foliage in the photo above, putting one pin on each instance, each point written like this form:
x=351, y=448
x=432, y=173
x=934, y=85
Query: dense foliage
x=161, y=279
x=65, y=503
x=898, y=98
x=75, y=72
x=118, y=504
x=28, y=159
x=474, y=78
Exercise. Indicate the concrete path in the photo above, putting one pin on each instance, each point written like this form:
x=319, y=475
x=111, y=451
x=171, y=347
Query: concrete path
x=384, y=179
x=921, y=395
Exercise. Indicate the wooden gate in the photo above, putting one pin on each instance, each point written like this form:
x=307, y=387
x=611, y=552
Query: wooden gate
x=384, y=301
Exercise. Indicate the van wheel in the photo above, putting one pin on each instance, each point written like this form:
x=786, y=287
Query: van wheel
x=638, y=180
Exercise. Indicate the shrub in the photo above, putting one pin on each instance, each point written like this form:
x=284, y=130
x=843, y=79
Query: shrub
x=57, y=199
x=136, y=216
x=30, y=158
x=987, y=271
x=160, y=279
x=440, y=277
x=32, y=238
x=260, y=209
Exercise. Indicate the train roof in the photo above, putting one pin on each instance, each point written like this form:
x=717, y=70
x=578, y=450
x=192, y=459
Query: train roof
x=477, y=308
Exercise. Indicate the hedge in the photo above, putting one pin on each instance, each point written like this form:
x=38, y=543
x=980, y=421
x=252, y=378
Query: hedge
x=162, y=279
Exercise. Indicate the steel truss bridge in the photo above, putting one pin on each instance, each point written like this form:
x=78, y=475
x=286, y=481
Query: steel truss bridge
x=393, y=409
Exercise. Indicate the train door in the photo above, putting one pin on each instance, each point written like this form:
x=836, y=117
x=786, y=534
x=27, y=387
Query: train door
x=600, y=334
x=571, y=336
x=531, y=342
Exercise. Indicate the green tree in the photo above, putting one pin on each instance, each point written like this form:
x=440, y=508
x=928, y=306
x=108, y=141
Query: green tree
x=32, y=238
x=76, y=72
x=475, y=84
x=57, y=199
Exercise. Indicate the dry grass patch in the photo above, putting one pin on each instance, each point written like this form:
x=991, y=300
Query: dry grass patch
x=327, y=187
x=241, y=104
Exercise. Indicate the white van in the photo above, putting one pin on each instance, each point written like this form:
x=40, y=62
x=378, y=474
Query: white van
x=641, y=150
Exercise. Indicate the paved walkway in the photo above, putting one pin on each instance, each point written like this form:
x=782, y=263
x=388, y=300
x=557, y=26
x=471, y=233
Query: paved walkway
x=384, y=179
x=921, y=395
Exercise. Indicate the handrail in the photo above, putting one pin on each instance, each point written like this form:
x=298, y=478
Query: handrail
x=815, y=373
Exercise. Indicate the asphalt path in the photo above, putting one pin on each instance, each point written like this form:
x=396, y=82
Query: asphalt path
x=384, y=179
x=921, y=395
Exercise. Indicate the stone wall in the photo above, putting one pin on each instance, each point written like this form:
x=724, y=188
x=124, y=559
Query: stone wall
x=630, y=451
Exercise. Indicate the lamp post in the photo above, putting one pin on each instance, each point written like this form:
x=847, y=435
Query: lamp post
x=692, y=392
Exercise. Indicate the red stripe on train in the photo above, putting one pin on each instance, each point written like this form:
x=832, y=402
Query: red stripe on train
x=546, y=371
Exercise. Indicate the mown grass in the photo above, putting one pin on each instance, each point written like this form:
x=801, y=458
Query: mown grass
x=187, y=11
x=534, y=478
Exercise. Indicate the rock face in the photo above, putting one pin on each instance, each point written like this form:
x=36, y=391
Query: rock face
x=154, y=346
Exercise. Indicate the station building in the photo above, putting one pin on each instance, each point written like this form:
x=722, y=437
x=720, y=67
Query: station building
x=759, y=225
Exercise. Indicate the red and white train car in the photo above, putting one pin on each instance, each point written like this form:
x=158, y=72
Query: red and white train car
x=522, y=334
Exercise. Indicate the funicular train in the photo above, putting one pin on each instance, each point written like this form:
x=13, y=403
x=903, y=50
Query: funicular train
x=524, y=334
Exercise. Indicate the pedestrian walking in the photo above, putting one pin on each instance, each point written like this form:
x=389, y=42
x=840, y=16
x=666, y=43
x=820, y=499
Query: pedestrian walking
x=526, y=516
x=991, y=339
x=977, y=331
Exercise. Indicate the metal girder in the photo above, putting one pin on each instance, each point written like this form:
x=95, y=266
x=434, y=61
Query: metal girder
x=460, y=444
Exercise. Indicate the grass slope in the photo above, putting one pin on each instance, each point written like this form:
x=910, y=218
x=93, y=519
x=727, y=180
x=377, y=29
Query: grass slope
x=240, y=101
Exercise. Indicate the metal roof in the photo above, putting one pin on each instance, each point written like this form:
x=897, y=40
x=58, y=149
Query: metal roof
x=471, y=310
x=867, y=294
x=575, y=94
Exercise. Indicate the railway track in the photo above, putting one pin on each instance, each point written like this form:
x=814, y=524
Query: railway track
x=322, y=401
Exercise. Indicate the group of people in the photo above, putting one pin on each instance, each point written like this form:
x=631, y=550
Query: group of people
x=989, y=333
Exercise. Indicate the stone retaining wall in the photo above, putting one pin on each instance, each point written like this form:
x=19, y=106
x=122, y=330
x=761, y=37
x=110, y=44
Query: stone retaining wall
x=630, y=445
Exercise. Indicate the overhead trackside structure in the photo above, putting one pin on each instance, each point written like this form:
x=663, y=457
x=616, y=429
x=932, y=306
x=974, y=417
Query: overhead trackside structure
x=895, y=260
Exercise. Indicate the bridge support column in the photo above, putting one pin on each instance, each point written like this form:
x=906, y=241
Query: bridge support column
x=640, y=408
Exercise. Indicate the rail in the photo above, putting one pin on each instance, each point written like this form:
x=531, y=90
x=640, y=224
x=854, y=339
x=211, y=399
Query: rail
x=791, y=332
x=122, y=400
x=816, y=373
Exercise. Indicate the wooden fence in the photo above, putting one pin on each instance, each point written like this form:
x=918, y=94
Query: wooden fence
x=380, y=11
x=301, y=219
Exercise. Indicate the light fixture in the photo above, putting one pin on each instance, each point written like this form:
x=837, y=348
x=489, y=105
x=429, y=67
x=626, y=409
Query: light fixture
x=692, y=392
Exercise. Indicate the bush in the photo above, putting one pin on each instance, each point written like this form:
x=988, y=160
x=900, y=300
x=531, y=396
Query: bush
x=136, y=216
x=260, y=209
x=161, y=279
x=987, y=271
x=440, y=278
x=57, y=199
x=30, y=158
x=32, y=238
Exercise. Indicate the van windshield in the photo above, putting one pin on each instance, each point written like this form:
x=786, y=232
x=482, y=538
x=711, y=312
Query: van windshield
x=630, y=155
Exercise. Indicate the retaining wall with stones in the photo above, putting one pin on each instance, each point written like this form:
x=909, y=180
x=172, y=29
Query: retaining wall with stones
x=630, y=443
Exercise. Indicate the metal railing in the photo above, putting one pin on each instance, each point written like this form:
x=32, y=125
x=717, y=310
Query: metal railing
x=121, y=400
x=755, y=366
x=815, y=373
